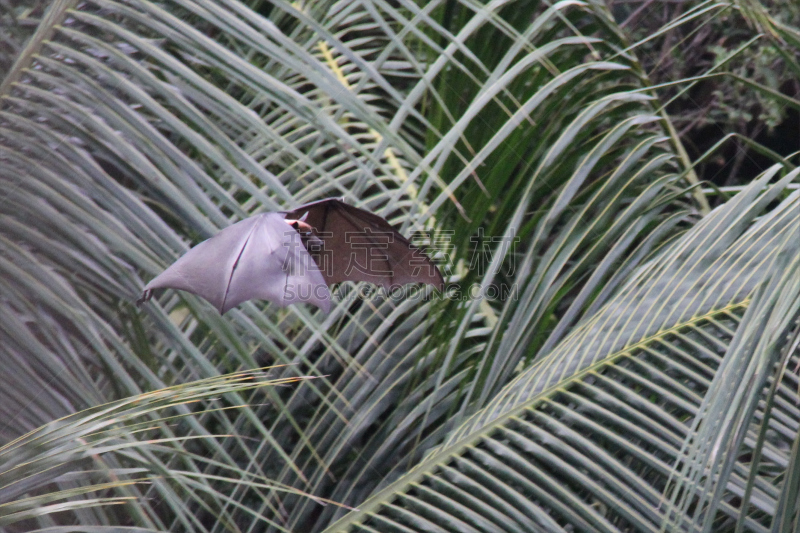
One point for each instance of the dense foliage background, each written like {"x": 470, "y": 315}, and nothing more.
{"x": 610, "y": 189}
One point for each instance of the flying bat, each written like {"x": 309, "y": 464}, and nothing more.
{"x": 293, "y": 256}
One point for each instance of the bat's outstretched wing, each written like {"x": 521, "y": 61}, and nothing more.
{"x": 361, "y": 246}
{"x": 260, "y": 257}
{"x": 264, "y": 257}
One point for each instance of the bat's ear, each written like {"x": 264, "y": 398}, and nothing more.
{"x": 304, "y": 217}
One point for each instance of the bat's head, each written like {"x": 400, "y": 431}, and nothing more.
{"x": 306, "y": 231}
{"x": 301, "y": 227}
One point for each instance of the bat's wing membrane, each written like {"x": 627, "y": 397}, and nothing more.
{"x": 260, "y": 257}
{"x": 360, "y": 246}
{"x": 265, "y": 257}
{"x": 275, "y": 266}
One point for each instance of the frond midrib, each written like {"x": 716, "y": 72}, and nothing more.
{"x": 51, "y": 20}
{"x": 472, "y": 439}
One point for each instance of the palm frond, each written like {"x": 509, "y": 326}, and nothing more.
{"x": 519, "y": 137}
{"x": 111, "y": 456}
{"x": 591, "y": 436}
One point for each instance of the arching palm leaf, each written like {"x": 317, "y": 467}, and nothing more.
{"x": 593, "y": 435}
{"x": 133, "y": 129}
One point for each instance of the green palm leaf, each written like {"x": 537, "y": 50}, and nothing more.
{"x": 131, "y": 130}
{"x": 593, "y": 435}
{"x": 116, "y": 450}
